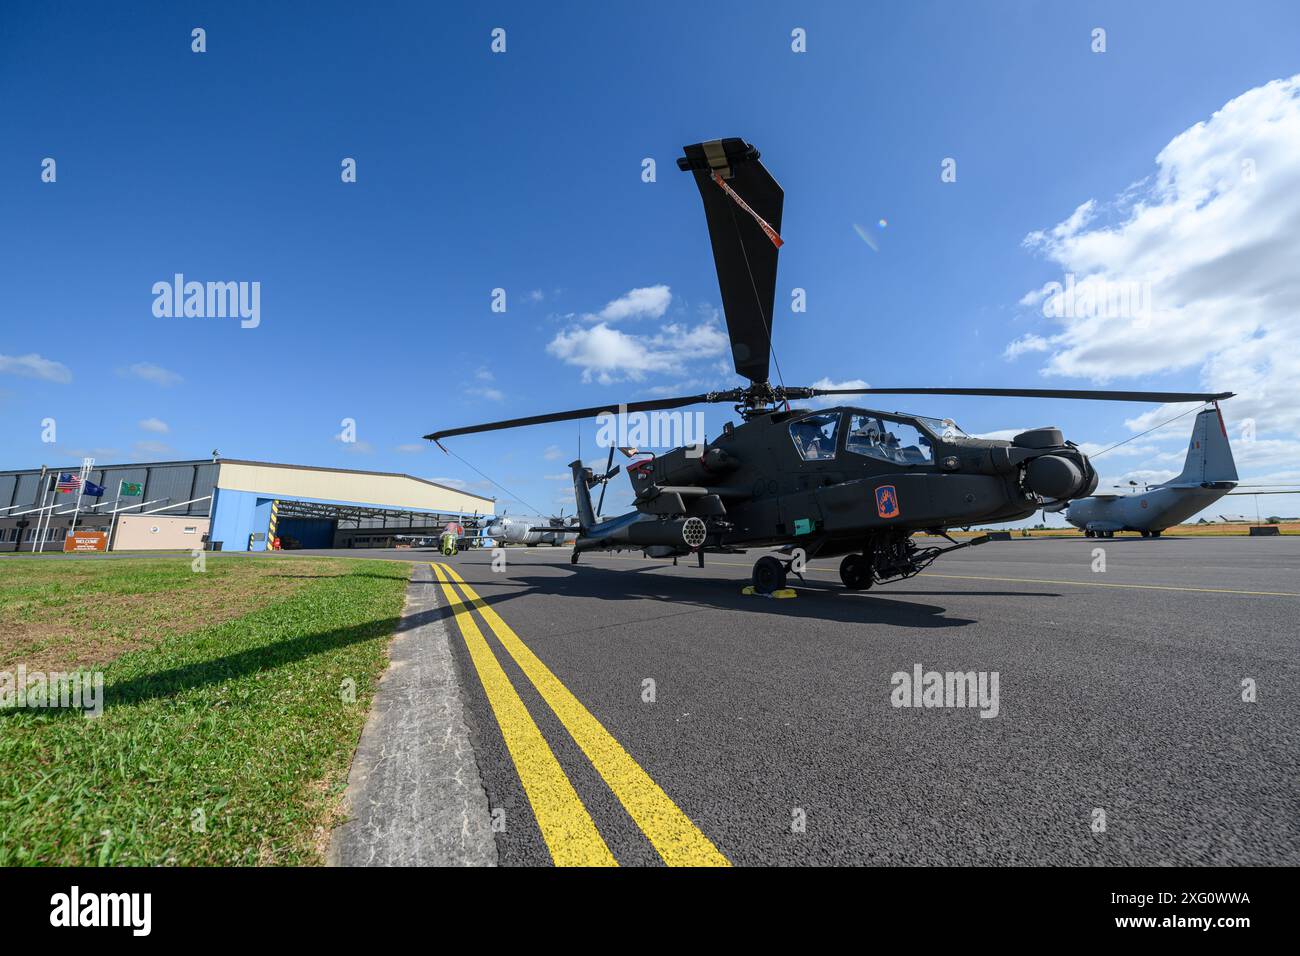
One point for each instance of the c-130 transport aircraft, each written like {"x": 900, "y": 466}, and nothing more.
{"x": 1208, "y": 474}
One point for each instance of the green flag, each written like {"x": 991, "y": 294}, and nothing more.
{"x": 130, "y": 489}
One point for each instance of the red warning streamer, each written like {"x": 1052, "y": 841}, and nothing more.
{"x": 771, "y": 233}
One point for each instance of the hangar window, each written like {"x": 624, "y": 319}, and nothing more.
{"x": 814, "y": 436}
{"x": 895, "y": 442}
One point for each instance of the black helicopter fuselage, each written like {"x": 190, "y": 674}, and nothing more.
{"x": 832, "y": 482}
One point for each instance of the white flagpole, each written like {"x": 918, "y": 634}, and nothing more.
{"x": 86, "y": 464}
{"x": 40, "y": 503}
{"x": 40, "y": 512}
{"x": 112, "y": 526}
{"x": 47, "y": 513}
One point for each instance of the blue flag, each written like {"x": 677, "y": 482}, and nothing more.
{"x": 93, "y": 490}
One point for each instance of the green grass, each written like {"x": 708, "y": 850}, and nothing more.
{"x": 220, "y": 744}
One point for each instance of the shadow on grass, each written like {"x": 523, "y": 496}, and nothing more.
{"x": 345, "y": 574}
{"x": 231, "y": 667}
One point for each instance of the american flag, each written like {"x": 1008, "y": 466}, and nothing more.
{"x": 68, "y": 482}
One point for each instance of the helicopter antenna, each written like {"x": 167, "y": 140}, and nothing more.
{"x": 493, "y": 481}
{"x": 1140, "y": 434}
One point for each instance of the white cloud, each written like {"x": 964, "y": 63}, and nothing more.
{"x": 1002, "y": 434}
{"x": 650, "y": 302}
{"x": 1026, "y": 343}
{"x": 100, "y": 455}
{"x": 458, "y": 483}
{"x": 825, "y": 401}
{"x": 154, "y": 449}
{"x": 410, "y": 448}
{"x": 151, "y": 373}
{"x": 552, "y": 453}
{"x": 35, "y": 366}
{"x": 491, "y": 394}
{"x": 1215, "y": 230}
{"x": 609, "y": 355}
{"x": 353, "y": 446}
{"x": 154, "y": 425}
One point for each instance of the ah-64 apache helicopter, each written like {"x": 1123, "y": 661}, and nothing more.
{"x": 838, "y": 481}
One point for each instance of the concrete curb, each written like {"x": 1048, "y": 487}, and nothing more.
{"x": 414, "y": 795}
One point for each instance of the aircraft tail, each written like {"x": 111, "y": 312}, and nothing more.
{"x": 582, "y": 494}
{"x": 1209, "y": 454}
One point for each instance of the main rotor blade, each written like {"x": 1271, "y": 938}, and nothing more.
{"x": 1072, "y": 393}
{"x": 594, "y": 410}
{"x": 742, "y": 206}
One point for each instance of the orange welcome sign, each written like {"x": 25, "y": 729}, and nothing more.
{"x": 86, "y": 541}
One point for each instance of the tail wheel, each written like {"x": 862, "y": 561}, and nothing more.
{"x": 769, "y": 575}
{"x": 855, "y": 572}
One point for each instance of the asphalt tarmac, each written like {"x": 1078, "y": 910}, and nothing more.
{"x": 766, "y": 731}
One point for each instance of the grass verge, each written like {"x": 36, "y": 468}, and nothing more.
{"x": 226, "y": 742}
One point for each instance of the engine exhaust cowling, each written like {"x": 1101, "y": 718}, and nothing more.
{"x": 1054, "y": 477}
{"x": 1049, "y": 437}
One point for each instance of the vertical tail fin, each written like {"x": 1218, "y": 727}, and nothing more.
{"x": 1209, "y": 454}
{"x": 582, "y": 494}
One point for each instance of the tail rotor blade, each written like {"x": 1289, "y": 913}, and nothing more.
{"x": 605, "y": 484}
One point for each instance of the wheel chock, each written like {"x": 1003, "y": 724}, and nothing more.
{"x": 748, "y": 590}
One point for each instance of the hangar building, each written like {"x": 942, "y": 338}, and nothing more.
{"x": 233, "y": 505}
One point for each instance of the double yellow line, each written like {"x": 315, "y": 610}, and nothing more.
{"x": 567, "y": 828}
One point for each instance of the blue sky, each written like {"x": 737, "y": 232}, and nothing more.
{"x": 522, "y": 171}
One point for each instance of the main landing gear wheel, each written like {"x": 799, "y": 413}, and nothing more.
{"x": 855, "y": 572}
{"x": 1155, "y": 534}
{"x": 769, "y": 575}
